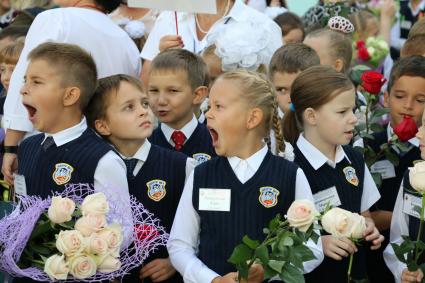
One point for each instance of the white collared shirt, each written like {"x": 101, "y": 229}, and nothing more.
{"x": 187, "y": 130}
{"x": 110, "y": 176}
{"x": 317, "y": 159}
{"x": 166, "y": 25}
{"x": 399, "y": 228}
{"x": 184, "y": 235}
{"x": 142, "y": 155}
{"x": 112, "y": 49}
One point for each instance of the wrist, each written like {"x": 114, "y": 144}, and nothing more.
{"x": 10, "y": 149}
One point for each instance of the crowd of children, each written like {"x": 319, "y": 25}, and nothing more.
{"x": 228, "y": 121}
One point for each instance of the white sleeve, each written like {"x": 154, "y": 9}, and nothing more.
{"x": 110, "y": 177}
{"x": 45, "y": 27}
{"x": 396, "y": 41}
{"x": 190, "y": 166}
{"x": 399, "y": 227}
{"x": 184, "y": 240}
{"x": 370, "y": 192}
{"x": 164, "y": 25}
{"x": 303, "y": 191}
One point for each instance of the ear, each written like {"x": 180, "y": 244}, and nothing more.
{"x": 102, "y": 127}
{"x": 255, "y": 118}
{"x": 386, "y": 99}
{"x": 200, "y": 93}
{"x": 338, "y": 65}
{"x": 310, "y": 116}
{"x": 72, "y": 96}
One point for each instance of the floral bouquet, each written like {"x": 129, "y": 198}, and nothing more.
{"x": 76, "y": 235}
{"x": 371, "y": 52}
{"x": 283, "y": 250}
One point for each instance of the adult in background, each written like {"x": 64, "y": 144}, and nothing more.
{"x": 194, "y": 28}
{"x": 81, "y": 22}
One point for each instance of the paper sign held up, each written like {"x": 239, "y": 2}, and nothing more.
{"x": 193, "y": 6}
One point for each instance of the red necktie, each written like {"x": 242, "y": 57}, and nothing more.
{"x": 178, "y": 138}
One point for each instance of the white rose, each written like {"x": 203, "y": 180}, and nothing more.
{"x": 82, "y": 266}
{"x": 371, "y": 51}
{"x": 96, "y": 245}
{"x": 95, "y": 204}
{"x": 61, "y": 210}
{"x": 301, "y": 214}
{"x": 109, "y": 264}
{"x": 91, "y": 223}
{"x": 70, "y": 242}
{"x": 358, "y": 226}
{"x": 417, "y": 177}
{"x": 56, "y": 267}
{"x": 342, "y": 223}
{"x": 113, "y": 236}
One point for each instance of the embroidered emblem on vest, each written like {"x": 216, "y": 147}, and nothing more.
{"x": 268, "y": 196}
{"x": 62, "y": 173}
{"x": 201, "y": 157}
{"x": 156, "y": 189}
{"x": 350, "y": 175}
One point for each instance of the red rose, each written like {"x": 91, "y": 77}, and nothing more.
{"x": 363, "y": 54}
{"x": 406, "y": 130}
{"x": 145, "y": 232}
{"x": 372, "y": 82}
{"x": 360, "y": 44}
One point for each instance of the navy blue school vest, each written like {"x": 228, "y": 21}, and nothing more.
{"x": 159, "y": 185}
{"x": 198, "y": 145}
{"x": 50, "y": 170}
{"x": 350, "y": 196}
{"x": 407, "y": 19}
{"x": 270, "y": 191}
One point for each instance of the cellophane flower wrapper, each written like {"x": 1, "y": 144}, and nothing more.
{"x": 16, "y": 229}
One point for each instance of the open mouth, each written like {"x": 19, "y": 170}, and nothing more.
{"x": 31, "y": 110}
{"x": 214, "y": 135}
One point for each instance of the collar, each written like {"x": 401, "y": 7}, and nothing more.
{"x": 315, "y": 157}
{"x": 254, "y": 161}
{"x": 201, "y": 118}
{"x": 143, "y": 152}
{"x": 419, "y": 8}
{"x": 69, "y": 134}
{"x": 187, "y": 129}
{"x": 413, "y": 141}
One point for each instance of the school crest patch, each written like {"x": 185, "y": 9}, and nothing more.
{"x": 268, "y": 196}
{"x": 156, "y": 189}
{"x": 201, "y": 157}
{"x": 350, "y": 175}
{"x": 62, "y": 173}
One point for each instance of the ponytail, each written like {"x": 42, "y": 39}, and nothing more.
{"x": 291, "y": 132}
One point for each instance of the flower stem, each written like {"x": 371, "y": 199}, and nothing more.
{"x": 349, "y": 268}
{"x": 421, "y": 224}
{"x": 367, "y": 114}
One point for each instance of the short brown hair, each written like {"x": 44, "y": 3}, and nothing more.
{"x": 11, "y": 52}
{"x": 289, "y": 21}
{"x": 99, "y": 103}
{"x": 75, "y": 66}
{"x": 417, "y": 29}
{"x": 293, "y": 58}
{"x": 182, "y": 60}
{"x": 313, "y": 88}
{"x": 411, "y": 66}
{"x": 414, "y": 45}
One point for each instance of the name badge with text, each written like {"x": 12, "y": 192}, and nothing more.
{"x": 326, "y": 197}
{"x": 383, "y": 167}
{"x": 409, "y": 204}
{"x": 20, "y": 185}
{"x": 214, "y": 199}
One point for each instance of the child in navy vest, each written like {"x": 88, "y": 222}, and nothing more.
{"x": 404, "y": 97}
{"x": 178, "y": 83}
{"x": 239, "y": 191}
{"x": 60, "y": 80}
{"x": 119, "y": 111}
{"x": 405, "y": 222}
{"x": 323, "y": 101}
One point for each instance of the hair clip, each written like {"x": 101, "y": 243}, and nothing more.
{"x": 341, "y": 24}
{"x": 292, "y": 107}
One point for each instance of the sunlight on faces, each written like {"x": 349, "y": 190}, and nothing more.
{"x": 227, "y": 118}
{"x": 6, "y": 71}
{"x": 43, "y": 96}
{"x": 321, "y": 45}
{"x": 282, "y": 83}
{"x": 128, "y": 115}
{"x": 407, "y": 98}
{"x": 171, "y": 97}
{"x": 421, "y": 136}
{"x": 334, "y": 122}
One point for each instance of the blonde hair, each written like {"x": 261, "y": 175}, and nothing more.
{"x": 11, "y": 52}
{"x": 259, "y": 92}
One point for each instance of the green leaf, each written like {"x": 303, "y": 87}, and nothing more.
{"x": 378, "y": 113}
{"x": 252, "y": 244}
{"x": 375, "y": 127}
{"x": 42, "y": 250}
{"x": 291, "y": 274}
{"x": 276, "y": 265}
{"x": 269, "y": 272}
{"x": 377, "y": 178}
{"x": 417, "y": 208}
{"x": 241, "y": 254}
{"x": 285, "y": 241}
{"x": 393, "y": 158}
{"x": 262, "y": 253}
{"x": 303, "y": 252}
{"x": 41, "y": 229}
{"x": 274, "y": 223}
{"x": 367, "y": 136}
